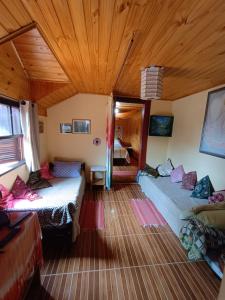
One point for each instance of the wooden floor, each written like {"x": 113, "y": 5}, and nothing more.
{"x": 124, "y": 261}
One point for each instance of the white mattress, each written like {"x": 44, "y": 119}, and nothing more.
{"x": 170, "y": 199}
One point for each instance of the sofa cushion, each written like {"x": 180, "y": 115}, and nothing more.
{"x": 45, "y": 171}
{"x": 189, "y": 180}
{"x": 35, "y": 181}
{"x": 203, "y": 188}
{"x": 21, "y": 191}
{"x": 66, "y": 169}
{"x": 212, "y": 218}
{"x": 177, "y": 174}
{"x": 165, "y": 169}
{"x": 149, "y": 171}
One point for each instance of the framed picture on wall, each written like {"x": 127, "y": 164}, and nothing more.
{"x": 65, "y": 128}
{"x": 213, "y": 132}
{"x": 82, "y": 126}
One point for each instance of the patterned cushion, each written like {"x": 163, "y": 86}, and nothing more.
{"x": 189, "y": 180}
{"x": 149, "y": 171}
{"x": 5, "y": 196}
{"x": 21, "y": 191}
{"x": 216, "y": 197}
{"x": 66, "y": 169}
{"x": 177, "y": 174}
{"x": 45, "y": 172}
{"x": 35, "y": 181}
{"x": 203, "y": 188}
{"x": 165, "y": 169}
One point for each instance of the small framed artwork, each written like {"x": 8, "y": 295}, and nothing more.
{"x": 65, "y": 128}
{"x": 82, "y": 126}
{"x": 213, "y": 133}
{"x": 41, "y": 127}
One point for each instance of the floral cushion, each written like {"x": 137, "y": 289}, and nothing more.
{"x": 165, "y": 169}
{"x": 177, "y": 174}
{"x": 35, "y": 181}
{"x": 189, "y": 180}
{"x": 45, "y": 171}
{"x": 203, "y": 188}
{"x": 21, "y": 191}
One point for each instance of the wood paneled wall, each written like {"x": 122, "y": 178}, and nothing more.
{"x": 13, "y": 80}
{"x": 132, "y": 131}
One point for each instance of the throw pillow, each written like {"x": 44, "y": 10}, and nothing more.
{"x": 21, "y": 191}
{"x": 165, "y": 169}
{"x": 149, "y": 171}
{"x": 216, "y": 197}
{"x": 189, "y": 180}
{"x": 35, "y": 181}
{"x": 66, "y": 169}
{"x": 45, "y": 171}
{"x": 177, "y": 174}
{"x": 5, "y": 196}
{"x": 213, "y": 218}
{"x": 203, "y": 188}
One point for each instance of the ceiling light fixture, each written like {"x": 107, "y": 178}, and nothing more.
{"x": 151, "y": 83}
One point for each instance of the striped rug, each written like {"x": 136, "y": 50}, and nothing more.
{"x": 146, "y": 213}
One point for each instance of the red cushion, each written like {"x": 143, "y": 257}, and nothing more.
{"x": 21, "y": 191}
{"x": 189, "y": 180}
{"x": 45, "y": 172}
{"x": 6, "y": 196}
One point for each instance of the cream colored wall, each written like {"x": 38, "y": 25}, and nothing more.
{"x": 79, "y": 146}
{"x": 157, "y": 146}
{"x": 183, "y": 147}
{"x": 8, "y": 179}
{"x": 43, "y": 141}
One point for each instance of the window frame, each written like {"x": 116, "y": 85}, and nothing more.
{"x": 11, "y": 164}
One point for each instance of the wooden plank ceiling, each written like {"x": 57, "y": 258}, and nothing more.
{"x": 38, "y": 60}
{"x": 102, "y": 44}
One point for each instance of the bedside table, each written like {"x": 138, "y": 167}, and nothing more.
{"x": 98, "y": 176}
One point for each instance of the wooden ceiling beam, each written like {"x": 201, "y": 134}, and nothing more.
{"x": 16, "y": 33}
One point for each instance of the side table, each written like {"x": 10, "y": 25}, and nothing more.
{"x": 98, "y": 176}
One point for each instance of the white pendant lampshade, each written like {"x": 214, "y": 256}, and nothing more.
{"x": 151, "y": 83}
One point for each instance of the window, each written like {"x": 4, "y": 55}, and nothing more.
{"x": 11, "y": 149}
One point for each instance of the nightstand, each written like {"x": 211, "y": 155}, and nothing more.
{"x": 98, "y": 176}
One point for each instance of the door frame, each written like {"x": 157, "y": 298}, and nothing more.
{"x": 144, "y": 126}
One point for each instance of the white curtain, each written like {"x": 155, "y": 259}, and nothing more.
{"x": 29, "y": 124}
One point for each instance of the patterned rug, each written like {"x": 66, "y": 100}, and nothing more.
{"x": 92, "y": 215}
{"x": 146, "y": 213}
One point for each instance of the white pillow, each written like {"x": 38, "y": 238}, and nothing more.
{"x": 166, "y": 168}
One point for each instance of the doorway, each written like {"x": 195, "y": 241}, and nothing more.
{"x": 130, "y": 131}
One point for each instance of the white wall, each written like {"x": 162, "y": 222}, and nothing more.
{"x": 183, "y": 147}
{"x": 79, "y": 146}
{"x": 157, "y": 146}
{"x": 8, "y": 179}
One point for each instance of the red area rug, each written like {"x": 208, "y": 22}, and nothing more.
{"x": 146, "y": 213}
{"x": 92, "y": 215}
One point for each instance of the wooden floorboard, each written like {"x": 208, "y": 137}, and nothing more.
{"x": 124, "y": 261}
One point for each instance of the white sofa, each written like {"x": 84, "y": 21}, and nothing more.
{"x": 169, "y": 198}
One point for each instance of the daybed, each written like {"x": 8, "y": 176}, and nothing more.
{"x": 170, "y": 199}
{"x": 59, "y": 206}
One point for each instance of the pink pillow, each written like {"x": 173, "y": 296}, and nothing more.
{"x": 216, "y": 197}
{"x": 6, "y": 196}
{"x": 189, "y": 180}
{"x": 177, "y": 174}
{"x": 21, "y": 191}
{"x": 45, "y": 172}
